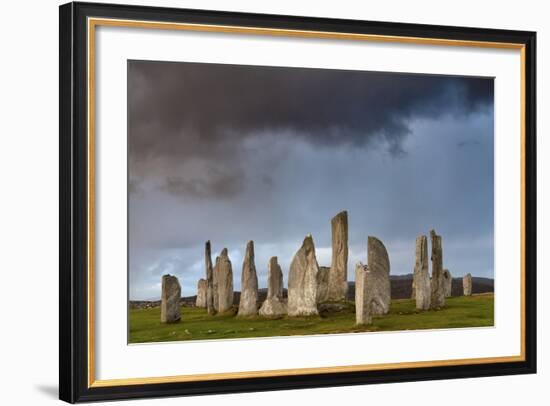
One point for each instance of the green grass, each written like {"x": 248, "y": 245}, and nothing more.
{"x": 196, "y": 324}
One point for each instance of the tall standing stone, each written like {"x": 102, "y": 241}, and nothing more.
{"x": 170, "y": 300}
{"x": 302, "y": 281}
{"x": 275, "y": 279}
{"x": 421, "y": 278}
{"x": 338, "y": 276}
{"x": 210, "y": 293}
{"x": 248, "y": 305}
{"x": 467, "y": 284}
{"x": 201, "y": 293}
{"x": 363, "y": 295}
{"x": 438, "y": 282}
{"x": 223, "y": 283}
{"x": 379, "y": 278}
{"x": 273, "y": 305}
{"x": 448, "y": 279}
{"x": 322, "y": 284}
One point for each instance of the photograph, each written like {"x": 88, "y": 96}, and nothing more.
{"x": 274, "y": 201}
{"x": 256, "y": 201}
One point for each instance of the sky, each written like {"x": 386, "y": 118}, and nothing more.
{"x": 232, "y": 153}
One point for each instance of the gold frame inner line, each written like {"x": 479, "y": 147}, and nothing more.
{"x": 95, "y": 22}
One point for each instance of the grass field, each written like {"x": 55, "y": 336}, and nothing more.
{"x": 196, "y": 324}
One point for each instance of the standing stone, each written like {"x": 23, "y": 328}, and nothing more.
{"x": 338, "y": 276}
{"x": 363, "y": 295}
{"x": 379, "y": 276}
{"x": 223, "y": 283}
{"x": 467, "y": 284}
{"x": 273, "y": 305}
{"x": 201, "y": 293}
{"x": 275, "y": 279}
{"x": 448, "y": 282}
{"x": 413, "y": 288}
{"x": 421, "y": 277}
{"x": 170, "y": 300}
{"x": 210, "y": 294}
{"x": 322, "y": 284}
{"x": 438, "y": 282}
{"x": 248, "y": 305}
{"x": 302, "y": 281}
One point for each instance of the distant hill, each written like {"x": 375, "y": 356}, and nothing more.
{"x": 401, "y": 288}
{"x": 190, "y": 300}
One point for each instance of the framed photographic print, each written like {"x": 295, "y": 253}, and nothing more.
{"x": 258, "y": 202}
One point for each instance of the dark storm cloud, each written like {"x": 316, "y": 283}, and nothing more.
{"x": 216, "y": 183}
{"x": 232, "y": 154}
{"x": 183, "y": 111}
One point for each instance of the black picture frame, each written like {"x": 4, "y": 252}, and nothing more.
{"x": 74, "y": 385}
